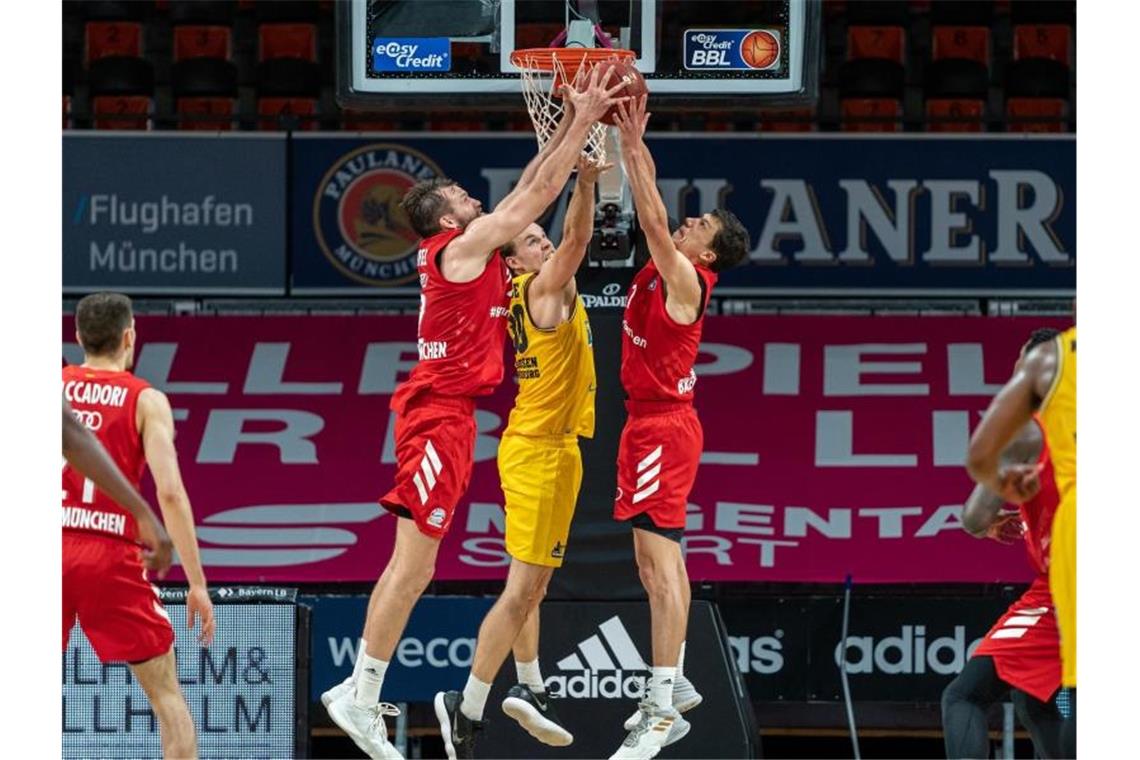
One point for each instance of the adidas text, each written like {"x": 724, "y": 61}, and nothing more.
{"x": 590, "y": 684}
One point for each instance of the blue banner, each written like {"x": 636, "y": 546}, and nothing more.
{"x": 434, "y": 654}
{"x": 828, "y": 215}
{"x": 165, "y": 214}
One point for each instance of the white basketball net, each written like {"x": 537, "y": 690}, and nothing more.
{"x": 546, "y": 110}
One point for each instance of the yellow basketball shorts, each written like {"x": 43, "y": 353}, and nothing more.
{"x": 540, "y": 477}
{"x": 1063, "y": 584}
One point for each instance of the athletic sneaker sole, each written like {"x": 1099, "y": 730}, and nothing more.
{"x": 689, "y": 704}
{"x": 682, "y": 731}
{"x": 332, "y": 694}
{"x": 444, "y": 724}
{"x": 546, "y": 731}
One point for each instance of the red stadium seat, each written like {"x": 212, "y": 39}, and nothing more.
{"x": 196, "y": 41}
{"x": 121, "y": 111}
{"x": 787, "y": 120}
{"x": 871, "y": 114}
{"x": 287, "y": 41}
{"x": 887, "y": 42}
{"x": 1051, "y": 41}
{"x": 1021, "y": 111}
{"x": 955, "y": 115}
{"x": 971, "y": 43}
{"x": 286, "y": 106}
{"x": 106, "y": 39}
{"x": 198, "y": 111}
{"x": 367, "y": 121}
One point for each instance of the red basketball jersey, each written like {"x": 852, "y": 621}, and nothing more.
{"x": 657, "y": 353}
{"x": 1037, "y": 513}
{"x": 106, "y": 402}
{"x": 461, "y": 330}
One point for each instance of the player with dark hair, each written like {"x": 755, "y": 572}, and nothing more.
{"x": 1021, "y": 652}
{"x": 465, "y": 293}
{"x": 83, "y": 452}
{"x": 104, "y": 581}
{"x": 1045, "y": 383}
{"x": 540, "y": 468}
{"x": 661, "y": 444}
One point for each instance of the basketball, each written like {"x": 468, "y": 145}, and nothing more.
{"x": 634, "y": 88}
{"x": 760, "y": 49}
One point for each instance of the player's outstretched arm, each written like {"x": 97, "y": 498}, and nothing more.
{"x": 556, "y": 139}
{"x": 558, "y": 273}
{"x": 488, "y": 232}
{"x": 1011, "y": 409}
{"x": 678, "y": 272}
{"x": 83, "y": 451}
{"x": 982, "y": 512}
{"x": 156, "y": 424}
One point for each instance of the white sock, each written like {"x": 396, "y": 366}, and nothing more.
{"x": 474, "y": 698}
{"x": 369, "y": 681}
{"x": 681, "y": 662}
{"x": 359, "y": 663}
{"x": 530, "y": 675}
{"x": 661, "y": 687}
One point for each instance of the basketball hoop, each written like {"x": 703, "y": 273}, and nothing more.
{"x": 544, "y": 71}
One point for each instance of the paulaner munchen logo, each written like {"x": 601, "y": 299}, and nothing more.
{"x": 359, "y": 224}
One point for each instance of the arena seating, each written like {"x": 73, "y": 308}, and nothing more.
{"x": 889, "y": 66}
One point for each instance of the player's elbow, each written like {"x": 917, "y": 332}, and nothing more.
{"x": 977, "y": 461}
{"x": 172, "y": 497}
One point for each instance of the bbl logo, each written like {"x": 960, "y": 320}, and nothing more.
{"x": 360, "y": 226}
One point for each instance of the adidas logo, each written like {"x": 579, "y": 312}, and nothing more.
{"x": 607, "y": 666}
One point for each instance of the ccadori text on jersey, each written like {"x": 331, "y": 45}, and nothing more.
{"x": 80, "y": 392}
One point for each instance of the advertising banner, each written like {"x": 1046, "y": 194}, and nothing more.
{"x": 241, "y": 689}
{"x": 833, "y": 446}
{"x": 434, "y": 654}
{"x": 167, "y": 214}
{"x": 899, "y": 648}
{"x": 828, "y": 214}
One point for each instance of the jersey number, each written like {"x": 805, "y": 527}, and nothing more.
{"x": 517, "y": 323}
{"x": 88, "y": 488}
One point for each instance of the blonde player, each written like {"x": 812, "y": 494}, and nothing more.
{"x": 1046, "y": 383}
{"x": 540, "y": 468}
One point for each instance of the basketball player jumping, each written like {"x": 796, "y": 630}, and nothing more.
{"x": 463, "y": 312}
{"x": 84, "y": 453}
{"x": 540, "y": 468}
{"x": 661, "y": 444}
{"x": 104, "y": 582}
{"x": 1022, "y": 651}
{"x": 1045, "y": 383}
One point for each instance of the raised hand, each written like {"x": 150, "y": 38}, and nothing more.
{"x": 592, "y": 103}
{"x": 631, "y": 119}
{"x": 589, "y": 169}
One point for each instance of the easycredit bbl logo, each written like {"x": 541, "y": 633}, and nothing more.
{"x": 605, "y": 665}
{"x": 359, "y": 224}
{"x": 732, "y": 49}
{"x": 411, "y": 54}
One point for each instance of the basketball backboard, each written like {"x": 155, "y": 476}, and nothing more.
{"x": 396, "y": 52}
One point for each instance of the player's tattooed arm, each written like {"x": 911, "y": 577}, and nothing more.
{"x": 1011, "y": 409}
{"x": 983, "y": 511}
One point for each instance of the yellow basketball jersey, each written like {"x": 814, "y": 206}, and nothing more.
{"x": 555, "y": 370}
{"x": 1059, "y": 415}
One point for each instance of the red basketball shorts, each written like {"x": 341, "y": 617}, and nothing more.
{"x": 105, "y": 587}
{"x": 435, "y": 450}
{"x": 658, "y": 456}
{"x": 1025, "y": 644}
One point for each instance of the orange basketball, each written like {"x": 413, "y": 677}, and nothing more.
{"x": 635, "y": 83}
{"x": 760, "y": 49}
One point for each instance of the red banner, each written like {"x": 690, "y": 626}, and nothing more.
{"x": 834, "y": 445}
